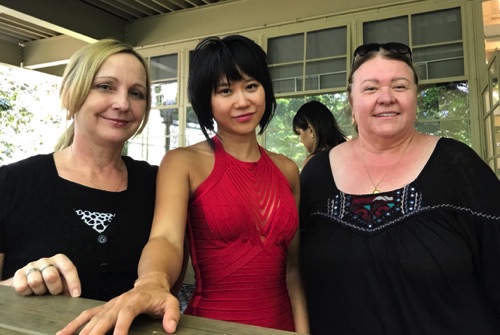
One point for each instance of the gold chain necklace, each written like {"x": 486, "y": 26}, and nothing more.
{"x": 90, "y": 180}
{"x": 375, "y": 186}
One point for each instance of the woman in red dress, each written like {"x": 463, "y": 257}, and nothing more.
{"x": 236, "y": 201}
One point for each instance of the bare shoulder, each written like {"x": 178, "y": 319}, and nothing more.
{"x": 343, "y": 151}
{"x": 427, "y": 140}
{"x": 424, "y": 146}
{"x": 184, "y": 156}
{"x": 285, "y": 164}
{"x": 192, "y": 164}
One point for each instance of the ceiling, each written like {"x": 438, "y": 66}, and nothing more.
{"x": 25, "y": 24}
{"x": 42, "y": 34}
{"x": 14, "y": 28}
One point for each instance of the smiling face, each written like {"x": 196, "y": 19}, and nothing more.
{"x": 383, "y": 97}
{"x": 238, "y": 107}
{"x": 116, "y": 103}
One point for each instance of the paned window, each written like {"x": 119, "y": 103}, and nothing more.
{"x": 435, "y": 38}
{"x": 314, "y": 60}
{"x": 491, "y": 115}
{"x": 162, "y": 131}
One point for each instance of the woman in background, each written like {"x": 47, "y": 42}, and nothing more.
{"x": 317, "y": 128}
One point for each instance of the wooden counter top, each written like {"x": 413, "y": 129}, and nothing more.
{"x": 37, "y": 315}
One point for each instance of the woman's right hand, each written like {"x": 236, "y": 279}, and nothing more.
{"x": 54, "y": 275}
{"x": 119, "y": 312}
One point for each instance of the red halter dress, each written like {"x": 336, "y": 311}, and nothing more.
{"x": 241, "y": 221}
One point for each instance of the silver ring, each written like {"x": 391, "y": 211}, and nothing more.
{"x": 46, "y": 266}
{"x": 31, "y": 270}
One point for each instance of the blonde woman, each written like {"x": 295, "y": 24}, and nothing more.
{"x": 75, "y": 221}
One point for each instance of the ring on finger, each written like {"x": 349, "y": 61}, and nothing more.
{"x": 31, "y": 270}
{"x": 46, "y": 266}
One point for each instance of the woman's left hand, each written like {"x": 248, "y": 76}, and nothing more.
{"x": 54, "y": 275}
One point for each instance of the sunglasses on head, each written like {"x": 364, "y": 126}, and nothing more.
{"x": 393, "y": 47}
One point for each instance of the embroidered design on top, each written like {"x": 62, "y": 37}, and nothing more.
{"x": 98, "y": 221}
{"x": 373, "y": 212}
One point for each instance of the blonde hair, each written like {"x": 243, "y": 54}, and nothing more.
{"x": 79, "y": 75}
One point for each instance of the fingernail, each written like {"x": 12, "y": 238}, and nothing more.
{"x": 75, "y": 293}
{"x": 172, "y": 325}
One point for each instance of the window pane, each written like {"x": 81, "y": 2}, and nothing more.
{"x": 497, "y": 131}
{"x": 338, "y": 104}
{"x": 444, "y": 101}
{"x": 286, "y": 49}
{"x": 193, "y": 130}
{"x": 326, "y": 74}
{"x": 160, "y": 135}
{"x": 494, "y": 82}
{"x": 285, "y": 78}
{"x": 486, "y": 101}
{"x": 324, "y": 65}
{"x": 390, "y": 30}
{"x": 445, "y": 68}
{"x": 164, "y": 93}
{"x": 489, "y": 139}
{"x": 436, "y": 27}
{"x": 458, "y": 129}
{"x": 327, "y": 43}
{"x": 163, "y": 67}
{"x": 440, "y": 61}
{"x": 325, "y": 81}
{"x": 443, "y": 110}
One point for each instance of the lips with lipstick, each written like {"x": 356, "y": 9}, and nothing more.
{"x": 244, "y": 117}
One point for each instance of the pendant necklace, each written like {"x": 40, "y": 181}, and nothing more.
{"x": 375, "y": 186}
{"x": 90, "y": 180}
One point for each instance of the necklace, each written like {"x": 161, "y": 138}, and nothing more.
{"x": 90, "y": 180}
{"x": 375, "y": 186}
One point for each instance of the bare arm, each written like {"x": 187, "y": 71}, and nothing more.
{"x": 294, "y": 280}
{"x": 161, "y": 261}
{"x": 293, "y": 277}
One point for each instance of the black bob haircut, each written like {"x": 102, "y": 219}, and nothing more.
{"x": 230, "y": 57}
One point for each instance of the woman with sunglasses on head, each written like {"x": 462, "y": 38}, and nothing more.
{"x": 401, "y": 230}
{"x": 75, "y": 221}
{"x": 317, "y": 128}
{"x": 236, "y": 200}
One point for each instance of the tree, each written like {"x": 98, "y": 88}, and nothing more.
{"x": 23, "y": 113}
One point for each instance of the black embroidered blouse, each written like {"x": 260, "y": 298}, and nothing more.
{"x": 423, "y": 259}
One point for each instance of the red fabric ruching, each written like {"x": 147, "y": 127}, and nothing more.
{"x": 242, "y": 219}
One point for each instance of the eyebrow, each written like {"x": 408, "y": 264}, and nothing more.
{"x": 392, "y": 80}
{"x": 244, "y": 79}
{"x": 105, "y": 77}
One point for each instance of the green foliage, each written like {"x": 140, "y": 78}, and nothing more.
{"x": 18, "y": 118}
{"x": 443, "y": 110}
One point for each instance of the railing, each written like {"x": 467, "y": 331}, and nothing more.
{"x": 39, "y": 315}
